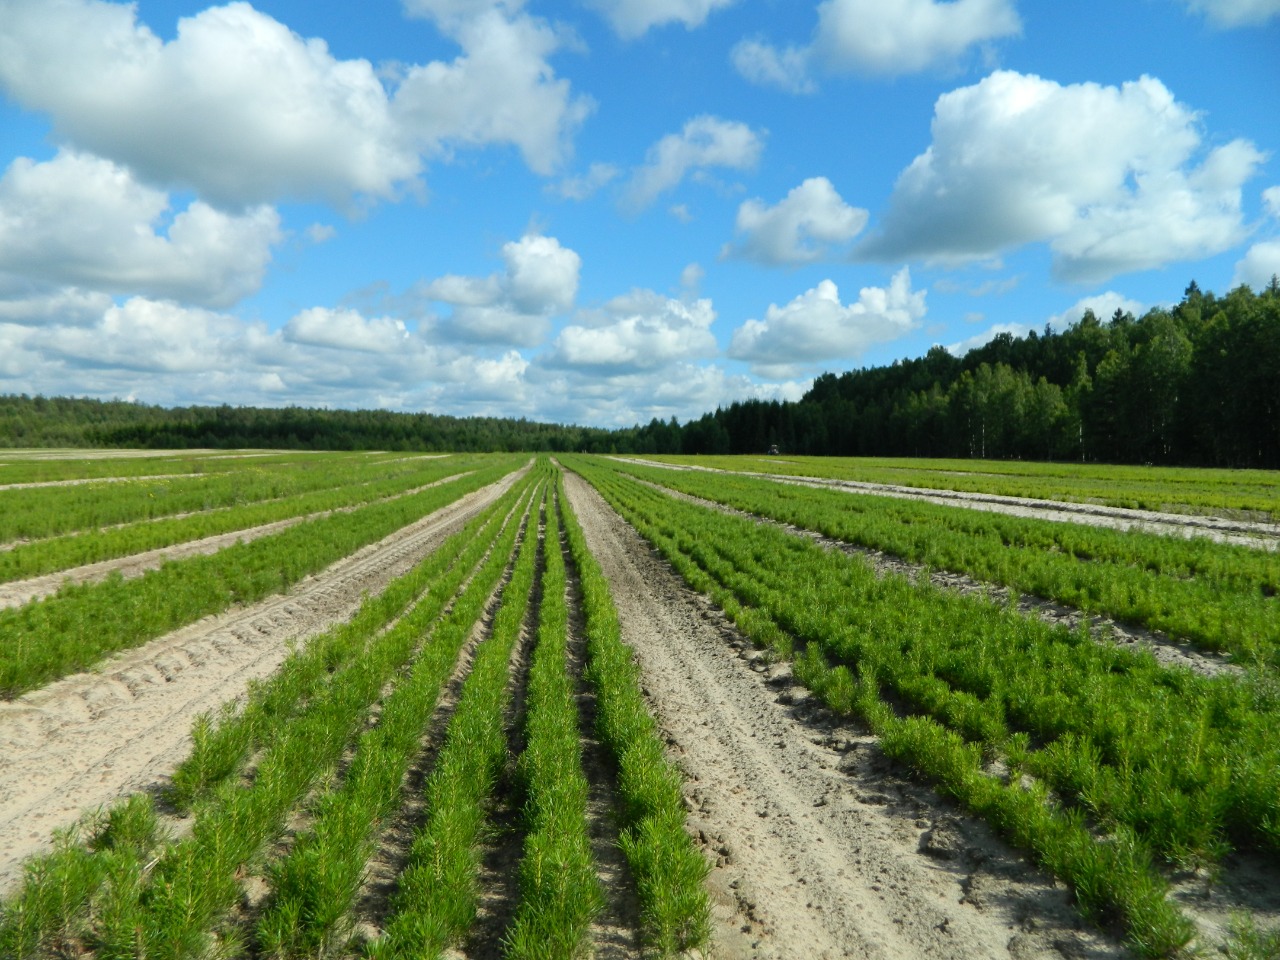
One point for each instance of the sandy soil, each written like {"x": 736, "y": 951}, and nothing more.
{"x": 1265, "y": 536}
{"x": 82, "y": 481}
{"x": 17, "y": 592}
{"x": 821, "y": 847}
{"x": 93, "y": 737}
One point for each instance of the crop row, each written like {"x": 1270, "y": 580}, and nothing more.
{"x": 1175, "y": 489}
{"x": 35, "y": 467}
{"x": 33, "y": 513}
{"x": 81, "y": 624}
{"x": 325, "y": 744}
{"x": 51, "y": 554}
{"x": 1126, "y": 764}
{"x": 112, "y": 905}
{"x": 1219, "y": 596}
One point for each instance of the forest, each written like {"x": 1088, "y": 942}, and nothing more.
{"x": 1197, "y": 383}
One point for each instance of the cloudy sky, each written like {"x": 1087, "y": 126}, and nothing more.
{"x": 600, "y": 211}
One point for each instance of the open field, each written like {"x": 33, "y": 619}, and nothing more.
{"x": 482, "y": 707}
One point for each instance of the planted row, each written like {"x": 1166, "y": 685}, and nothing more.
{"x": 91, "y": 546}
{"x": 122, "y": 909}
{"x": 48, "y": 511}
{"x": 1161, "y": 761}
{"x": 559, "y": 890}
{"x": 1221, "y": 597}
{"x": 668, "y": 869}
{"x": 316, "y": 885}
{"x": 81, "y": 624}
{"x": 1193, "y": 490}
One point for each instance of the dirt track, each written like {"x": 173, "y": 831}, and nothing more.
{"x": 821, "y": 848}
{"x": 93, "y": 737}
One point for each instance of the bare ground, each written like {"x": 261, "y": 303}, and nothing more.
{"x": 1264, "y": 536}
{"x": 17, "y": 592}
{"x": 88, "y": 739}
{"x": 821, "y": 847}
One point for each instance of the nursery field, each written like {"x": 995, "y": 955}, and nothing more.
{"x": 378, "y": 705}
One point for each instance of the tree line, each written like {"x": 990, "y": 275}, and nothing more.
{"x": 1197, "y": 383}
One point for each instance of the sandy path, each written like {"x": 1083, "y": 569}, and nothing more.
{"x": 88, "y": 739}
{"x": 17, "y": 592}
{"x": 821, "y": 848}
{"x": 83, "y": 481}
{"x": 1265, "y": 536}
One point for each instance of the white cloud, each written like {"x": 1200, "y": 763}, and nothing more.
{"x": 244, "y": 110}
{"x": 78, "y": 220}
{"x": 817, "y": 327}
{"x": 515, "y": 307}
{"x": 588, "y": 184}
{"x": 1103, "y": 305}
{"x": 321, "y": 232}
{"x": 1259, "y": 265}
{"x": 500, "y": 90}
{"x": 633, "y": 18}
{"x": 236, "y": 105}
{"x": 982, "y": 339}
{"x": 800, "y": 228}
{"x": 346, "y": 330}
{"x": 639, "y": 331}
{"x": 1225, "y": 14}
{"x": 765, "y": 65}
{"x": 1106, "y": 175}
{"x": 907, "y": 36}
{"x": 878, "y": 38}
{"x": 1271, "y": 200}
{"x": 705, "y": 141}
{"x": 68, "y": 305}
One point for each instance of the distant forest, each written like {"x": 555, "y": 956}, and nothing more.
{"x": 1197, "y": 384}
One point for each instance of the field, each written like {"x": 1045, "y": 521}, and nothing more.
{"x": 377, "y": 705}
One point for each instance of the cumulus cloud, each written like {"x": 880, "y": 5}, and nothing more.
{"x": 322, "y": 357}
{"x": 1262, "y": 261}
{"x": 816, "y": 327}
{"x": 639, "y": 331}
{"x": 1259, "y": 265}
{"x": 705, "y": 141}
{"x": 500, "y": 90}
{"x": 244, "y": 110}
{"x": 1107, "y": 175}
{"x": 346, "y": 330}
{"x": 765, "y": 65}
{"x": 873, "y": 37}
{"x": 1103, "y": 305}
{"x": 800, "y": 228}
{"x": 909, "y": 35}
{"x": 633, "y": 18}
{"x": 67, "y": 305}
{"x": 540, "y": 280}
{"x": 1226, "y": 14}
{"x": 78, "y": 220}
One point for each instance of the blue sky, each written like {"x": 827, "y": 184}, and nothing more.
{"x": 601, "y": 211}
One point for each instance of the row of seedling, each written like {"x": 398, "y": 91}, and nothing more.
{"x": 51, "y": 554}
{"x": 81, "y": 624}
{"x": 1145, "y": 764}
{"x": 1219, "y": 596}
{"x": 119, "y": 905}
{"x": 1191, "y": 490}
{"x": 36, "y": 512}
{"x": 667, "y": 867}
